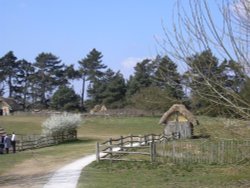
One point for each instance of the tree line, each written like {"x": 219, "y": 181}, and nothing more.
{"x": 155, "y": 85}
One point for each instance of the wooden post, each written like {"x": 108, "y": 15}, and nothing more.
{"x": 173, "y": 151}
{"x": 131, "y": 140}
{"x": 97, "y": 152}
{"x": 121, "y": 143}
{"x": 145, "y": 140}
{"x": 140, "y": 140}
{"x": 110, "y": 147}
{"x": 152, "y": 151}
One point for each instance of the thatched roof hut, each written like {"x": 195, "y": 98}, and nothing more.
{"x": 179, "y": 121}
{"x": 8, "y": 105}
{"x": 98, "y": 109}
{"x": 182, "y": 110}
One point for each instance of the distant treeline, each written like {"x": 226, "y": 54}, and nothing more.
{"x": 155, "y": 85}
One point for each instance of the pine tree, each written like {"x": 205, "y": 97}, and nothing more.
{"x": 50, "y": 73}
{"x": 23, "y": 82}
{"x": 65, "y": 98}
{"x": 114, "y": 93}
{"x": 167, "y": 77}
{"x": 142, "y": 77}
{"x": 8, "y": 67}
{"x": 91, "y": 70}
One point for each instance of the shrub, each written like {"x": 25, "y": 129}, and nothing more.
{"x": 58, "y": 124}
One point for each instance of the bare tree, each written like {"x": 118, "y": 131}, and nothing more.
{"x": 225, "y": 30}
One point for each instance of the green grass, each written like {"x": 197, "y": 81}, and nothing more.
{"x": 91, "y": 130}
{"x": 124, "y": 174}
{"x": 145, "y": 174}
{"x": 22, "y": 124}
{"x": 104, "y": 128}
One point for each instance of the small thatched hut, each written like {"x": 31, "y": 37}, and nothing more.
{"x": 178, "y": 122}
{"x": 98, "y": 109}
{"x": 8, "y": 105}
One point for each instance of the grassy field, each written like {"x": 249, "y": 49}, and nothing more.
{"x": 91, "y": 130}
{"x": 146, "y": 175}
{"x": 126, "y": 174}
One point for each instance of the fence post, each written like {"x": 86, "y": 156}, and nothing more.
{"x": 173, "y": 151}
{"x": 110, "y": 147}
{"x": 97, "y": 152}
{"x": 121, "y": 144}
{"x": 131, "y": 140}
{"x": 140, "y": 140}
{"x": 152, "y": 151}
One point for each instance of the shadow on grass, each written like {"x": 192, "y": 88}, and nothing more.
{"x": 79, "y": 141}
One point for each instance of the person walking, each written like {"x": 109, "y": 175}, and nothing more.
{"x": 7, "y": 143}
{"x": 13, "y": 142}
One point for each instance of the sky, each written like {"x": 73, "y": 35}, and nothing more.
{"x": 124, "y": 31}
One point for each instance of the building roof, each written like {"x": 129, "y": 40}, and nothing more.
{"x": 182, "y": 110}
{"x": 11, "y": 103}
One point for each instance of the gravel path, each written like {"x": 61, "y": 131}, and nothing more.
{"x": 67, "y": 176}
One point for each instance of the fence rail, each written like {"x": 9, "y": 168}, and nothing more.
{"x": 204, "y": 151}
{"x": 25, "y": 142}
{"x": 163, "y": 148}
{"x": 114, "y": 149}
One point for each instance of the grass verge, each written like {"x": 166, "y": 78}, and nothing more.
{"x": 145, "y": 174}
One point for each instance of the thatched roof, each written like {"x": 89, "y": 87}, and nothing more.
{"x": 11, "y": 103}
{"x": 182, "y": 110}
{"x": 103, "y": 108}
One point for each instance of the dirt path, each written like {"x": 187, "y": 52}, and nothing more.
{"x": 67, "y": 176}
{"x": 32, "y": 173}
{"x": 38, "y": 173}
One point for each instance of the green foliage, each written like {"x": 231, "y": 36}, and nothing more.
{"x": 214, "y": 86}
{"x": 50, "y": 73}
{"x": 90, "y": 70}
{"x": 65, "y": 98}
{"x": 24, "y": 82}
{"x": 156, "y": 85}
{"x": 141, "y": 78}
{"x": 109, "y": 90}
{"x": 167, "y": 77}
{"x": 8, "y": 66}
{"x": 153, "y": 99}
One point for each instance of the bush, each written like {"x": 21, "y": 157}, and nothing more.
{"x": 58, "y": 124}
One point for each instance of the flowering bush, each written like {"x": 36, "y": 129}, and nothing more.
{"x": 58, "y": 124}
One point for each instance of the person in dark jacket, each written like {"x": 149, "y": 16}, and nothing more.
{"x": 1, "y": 144}
{"x": 7, "y": 143}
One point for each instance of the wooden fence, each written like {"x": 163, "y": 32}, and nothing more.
{"x": 116, "y": 149}
{"x": 206, "y": 151}
{"x": 25, "y": 142}
{"x": 161, "y": 148}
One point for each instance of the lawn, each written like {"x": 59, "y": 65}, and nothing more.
{"x": 124, "y": 174}
{"x": 147, "y": 175}
{"x": 91, "y": 130}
